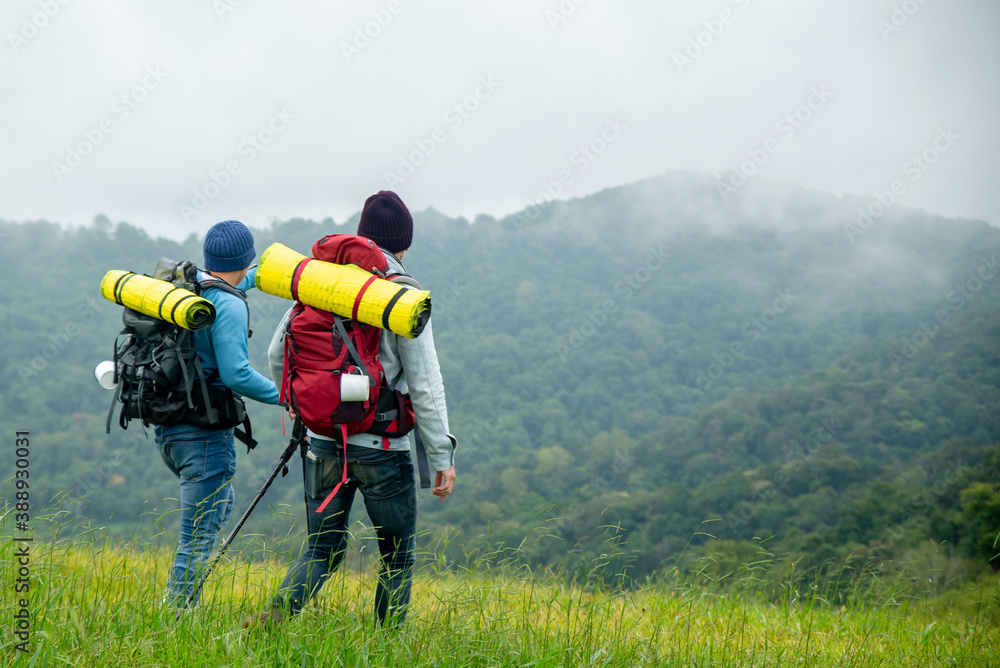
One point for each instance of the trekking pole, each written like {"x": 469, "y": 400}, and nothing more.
{"x": 296, "y": 441}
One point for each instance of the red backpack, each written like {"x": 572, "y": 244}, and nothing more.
{"x": 320, "y": 347}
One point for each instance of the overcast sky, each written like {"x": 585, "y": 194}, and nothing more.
{"x": 174, "y": 115}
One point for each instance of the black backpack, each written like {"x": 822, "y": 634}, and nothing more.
{"x": 157, "y": 368}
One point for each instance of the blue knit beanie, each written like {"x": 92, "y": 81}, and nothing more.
{"x": 228, "y": 247}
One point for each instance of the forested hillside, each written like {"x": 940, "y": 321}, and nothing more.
{"x": 620, "y": 369}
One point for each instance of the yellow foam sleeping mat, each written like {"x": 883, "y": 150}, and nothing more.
{"x": 336, "y": 288}
{"x": 158, "y": 299}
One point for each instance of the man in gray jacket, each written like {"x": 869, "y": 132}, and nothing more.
{"x": 384, "y": 475}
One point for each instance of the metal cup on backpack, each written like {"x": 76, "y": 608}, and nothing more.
{"x": 105, "y": 374}
{"x": 354, "y": 386}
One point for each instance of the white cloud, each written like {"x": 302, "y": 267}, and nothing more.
{"x": 559, "y": 86}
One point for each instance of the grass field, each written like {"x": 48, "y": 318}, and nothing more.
{"x": 95, "y": 605}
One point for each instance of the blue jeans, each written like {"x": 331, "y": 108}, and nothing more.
{"x": 385, "y": 479}
{"x": 205, "y": 462}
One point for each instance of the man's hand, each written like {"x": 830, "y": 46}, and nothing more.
{"x": 444, "y": 483}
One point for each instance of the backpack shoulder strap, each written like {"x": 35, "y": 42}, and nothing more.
{"x": 221, "y": 285}
{"x": 342, "y": 331}
{"x": 225, "y": 287}
{"x": 118, "y": 384}
{"x": 405, "y": 279}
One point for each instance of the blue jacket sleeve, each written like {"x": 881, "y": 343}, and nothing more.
{"x": 250, "y": 281}
{"x": 229, "y": 341}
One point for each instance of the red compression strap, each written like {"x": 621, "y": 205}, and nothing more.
{"x": 343, "y": 479}
{"x": 297, "y": 276}
{"x": 357, "y": 300}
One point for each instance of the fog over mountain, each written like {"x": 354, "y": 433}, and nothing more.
{"x": 649, "y": 357}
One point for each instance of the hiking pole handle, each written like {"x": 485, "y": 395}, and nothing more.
{"x": 293, "y": 444}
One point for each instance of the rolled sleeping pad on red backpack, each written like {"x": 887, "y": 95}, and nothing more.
{"x": 344, "y": 289}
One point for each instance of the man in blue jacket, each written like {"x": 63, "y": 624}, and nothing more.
{"x": 384, "y": 476}
{"x": 204, "y": 459}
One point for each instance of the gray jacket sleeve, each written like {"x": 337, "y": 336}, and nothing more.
{"x": 418, "y": 358}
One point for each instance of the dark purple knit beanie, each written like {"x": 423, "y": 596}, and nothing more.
{"x": 386, "y": 221}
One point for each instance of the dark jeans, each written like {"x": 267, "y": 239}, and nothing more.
{"x": 385, "y": 479}
{"x": 205, "y": 462}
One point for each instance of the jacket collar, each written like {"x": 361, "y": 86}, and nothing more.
{"x": 395, "y": 264}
